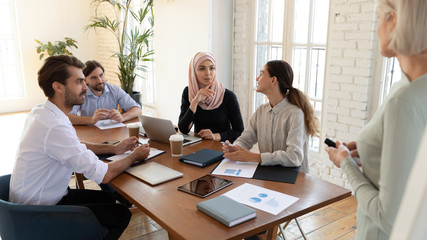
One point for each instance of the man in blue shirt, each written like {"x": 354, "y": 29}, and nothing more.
{"x": 102, "y": 99}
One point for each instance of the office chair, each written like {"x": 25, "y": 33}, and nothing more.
{"x": 19, "y": 221}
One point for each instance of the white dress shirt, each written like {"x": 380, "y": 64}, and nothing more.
{"x": 49, "y": 152}
{"x": 280, "y": 133}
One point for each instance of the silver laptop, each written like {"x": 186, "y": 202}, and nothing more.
{"x": 154, "y": 173}
{"x": 158, "y": 129}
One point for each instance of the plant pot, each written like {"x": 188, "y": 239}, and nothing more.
{"x": 136, "y": 96}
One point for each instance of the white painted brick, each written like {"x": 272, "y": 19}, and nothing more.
{"x": 362, "y": 17}
{"x": 358, "y": 1}
{"x": 348, "y": 62}
{"x": 340, "y": 95}
{"x": 355, "y": 71}
{"x": 331, "y": 117}
{"x": 332, "y": 102}
{"x": 340, "y": 78}
{"x": 360, "y": 97}
{"x": 341, "y": 126}
{"x": 359, "y": 35}
{"x": 363, "y": 81}
{"x": 334, "y": 86}
{"x": 335, "y": 69}
{"x": 345, "y": 27}
{"x": 353, "y": 88}
{"x": 337, "y": 35}
{"x": 353, "y": 105}
{"x": 363, "y": 63}
{"x": 360, "y": 53}
{"x": 358, "y": 113}
{"x": 344, "y": 44}
{"x": 366, "y": 27}
{"x": 350, "y": 120}
{"x": 338, "y": 109}
{"x": 363, "y": 45}
{"x": 342, "y": 9}
{"x": 336, "y": 52}
{"x": 368, "y": 7}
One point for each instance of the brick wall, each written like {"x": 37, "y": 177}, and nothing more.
{"x": 351, "y": 58}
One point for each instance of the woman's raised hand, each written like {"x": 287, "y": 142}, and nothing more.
{"x": 204, "y": 93}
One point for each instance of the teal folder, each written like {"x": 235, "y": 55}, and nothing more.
{"x": 226, "y": 210}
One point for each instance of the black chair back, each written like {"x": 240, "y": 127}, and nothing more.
{"x": 4, "y": 187}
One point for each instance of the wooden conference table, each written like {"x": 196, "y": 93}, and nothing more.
{"x": 176, "y": 211}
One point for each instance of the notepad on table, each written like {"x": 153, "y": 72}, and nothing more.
{"x": 226, "y": 210}
{"x": 202, "y": 158}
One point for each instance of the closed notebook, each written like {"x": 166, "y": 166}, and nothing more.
{"x": 202, "y": 158}
{"x": 226, "y": 210}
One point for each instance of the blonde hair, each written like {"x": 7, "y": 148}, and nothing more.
{"x": 408, "y": 37}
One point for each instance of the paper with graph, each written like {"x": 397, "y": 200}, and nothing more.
{"x": 261, "y": 198}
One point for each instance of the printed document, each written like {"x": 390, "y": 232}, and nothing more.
{"x": 108, "y": 123}
{"x": 153, "y": 152}
{"x": 228, "y": 167}
{"x": 261, "y": 198}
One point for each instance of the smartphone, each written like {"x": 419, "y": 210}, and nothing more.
{"x": 330, "y": 143}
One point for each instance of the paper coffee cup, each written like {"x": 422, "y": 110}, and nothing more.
{"x": 133, "y": 129}
{"x": 176, "y": 141}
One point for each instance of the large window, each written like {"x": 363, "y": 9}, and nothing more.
{"x": 145, "y": 79}
{"x": 391, "y": 74}
{"x": 11, "y": 77}
{"x": 295, "y": 31}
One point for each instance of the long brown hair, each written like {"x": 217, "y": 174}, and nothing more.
{"x": 285, "y": 76}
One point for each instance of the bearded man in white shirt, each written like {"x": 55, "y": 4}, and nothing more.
{"x": 50, "y": 151}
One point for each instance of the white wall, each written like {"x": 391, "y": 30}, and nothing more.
{"x": 182, "y": 28}
{"x": 48, "y": 20}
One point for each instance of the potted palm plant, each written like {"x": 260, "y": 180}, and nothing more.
{"x": 133, "y": 41}
{"x": 57, "y": 48}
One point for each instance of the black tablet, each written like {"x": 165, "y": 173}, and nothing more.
{"x": 205, "y": 186}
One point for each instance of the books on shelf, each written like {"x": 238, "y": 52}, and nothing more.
{"x": 226, "y": 210}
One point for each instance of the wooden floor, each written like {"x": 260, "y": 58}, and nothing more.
{"x": 336, "y": 221}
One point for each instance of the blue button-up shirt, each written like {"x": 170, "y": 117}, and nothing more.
{"x": 109, "y": 99}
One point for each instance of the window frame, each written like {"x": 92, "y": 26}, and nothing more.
{"x": 287, "y": 46}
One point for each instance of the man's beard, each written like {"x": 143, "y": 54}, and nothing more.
{"x": 72, "y": 99}
{"x": 99, "y": 87}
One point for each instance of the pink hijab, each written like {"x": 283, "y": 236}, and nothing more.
{"x": 193, "y": 85}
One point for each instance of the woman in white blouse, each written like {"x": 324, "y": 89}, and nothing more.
{"x": 281, "y": 127}
{"x": 387, "y": 146}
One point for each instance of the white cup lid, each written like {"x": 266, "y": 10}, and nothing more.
{"x": 133, "y": 125}
{"x": 176, "y": 137}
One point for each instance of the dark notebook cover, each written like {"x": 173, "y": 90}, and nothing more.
{"x": 202, "y": 158}
{"x": 277, "y": 173}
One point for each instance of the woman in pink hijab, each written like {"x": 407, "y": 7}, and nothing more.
{"x": 212, "y": 109}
